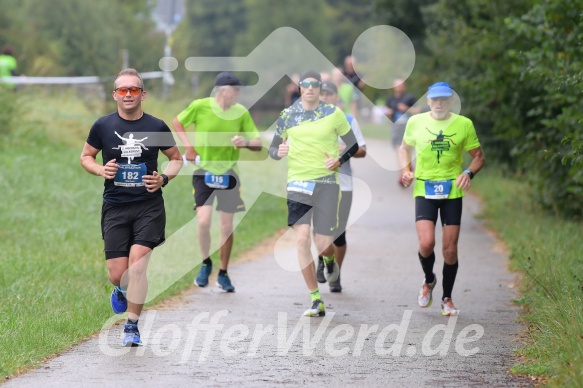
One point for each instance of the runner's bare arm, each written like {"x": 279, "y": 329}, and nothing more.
{"x": 241, "y": 142}
{"x": 405, "y": 163}
{"x": 478, "y": 160}
{"x": 189, "y": 151}
{"x": 89, "y": 163}
{"x": 156, "y": 181}
{"x": 175, "y": 162}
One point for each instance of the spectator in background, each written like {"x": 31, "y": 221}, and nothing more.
{"x": 399, "y": 107}
{"x": 347, "y": 93}
{"x": 329, "y": 94}
{"x": 8, "y": 65}
{"x": 350, "y": 73}
{"x": 292, "y": 90}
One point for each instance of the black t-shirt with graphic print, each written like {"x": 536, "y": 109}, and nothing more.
{"x": 142, "y": 138}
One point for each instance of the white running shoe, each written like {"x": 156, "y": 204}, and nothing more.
{"x": 317, "y": 309}
{"x": 331, "y": 270}
{"x": 425, "y": 297}
{"x": 448, "y": 309}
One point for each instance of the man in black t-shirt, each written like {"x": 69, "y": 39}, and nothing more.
{"x": 350, "y": 73}
{"x": 399, "y": 108}
{"x": 133, "y": 217}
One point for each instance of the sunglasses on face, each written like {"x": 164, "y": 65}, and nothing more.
{"x": 134, "y": 91}
{"x": 306, "y": 84}
{"x": 441, "y": 99}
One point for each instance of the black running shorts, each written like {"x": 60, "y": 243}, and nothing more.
{"x": 321, "y": 207}
{"x": 450, "y": 210}
{"x": 229, "y": 200}
{"x": 124, "y": 225}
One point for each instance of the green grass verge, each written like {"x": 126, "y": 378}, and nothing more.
{"x": 53, "y": 277}
{"x": 547, "y": 252}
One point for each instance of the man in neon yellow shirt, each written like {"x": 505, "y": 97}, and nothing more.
{"x": 222, "y": 128}
{"x": 440, "y": 138}
{"x": 7, "y": 65}
{"x": 307, "y": 134}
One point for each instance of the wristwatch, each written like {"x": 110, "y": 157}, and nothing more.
{"x": 471, "y": 174}
{"x": 165, "y": 178}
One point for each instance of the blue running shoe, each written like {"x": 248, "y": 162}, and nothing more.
{"x": 224, "y": 282}
{"x": 119, "y": 303}
{"x": 202, "y": 280}
{"x": 131, "y": 335}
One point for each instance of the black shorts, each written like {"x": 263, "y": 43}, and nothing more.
{"x": 343, "y": 213}
{"x": 229, "y": 200}
{"x": 450, "y": 210}
{"x": 141, "y": 222}
{"x": 321, "y": 206}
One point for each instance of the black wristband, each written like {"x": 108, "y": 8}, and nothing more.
{"x": 165, "y": 178}
{"x": 471, "y": 174}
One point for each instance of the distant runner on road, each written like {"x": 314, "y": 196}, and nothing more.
{"x": 440, "y": 138}
{"x": 329, "y": 94}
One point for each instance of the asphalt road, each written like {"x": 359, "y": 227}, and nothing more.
{"x": 373, "y": 334}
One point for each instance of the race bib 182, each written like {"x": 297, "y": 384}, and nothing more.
{"x": 130, "y": 175}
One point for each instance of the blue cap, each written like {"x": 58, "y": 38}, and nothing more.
{"x": 439, "y": 89}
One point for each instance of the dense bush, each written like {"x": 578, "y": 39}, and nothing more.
{"x": 517, "y": 66}
{"x": 8, "y": 109}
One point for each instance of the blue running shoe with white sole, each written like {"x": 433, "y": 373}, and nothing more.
{"x": 202, "y": 280}
{"x": 131, "y": 335}
{"x": 224, "y": 282}
{"x": 119, "y": 303}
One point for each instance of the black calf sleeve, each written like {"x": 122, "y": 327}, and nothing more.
{"x": 449, "y": 274}
{"x": 427, "y": 265}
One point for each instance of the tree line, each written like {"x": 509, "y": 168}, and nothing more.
{"x": 516, "y": 65}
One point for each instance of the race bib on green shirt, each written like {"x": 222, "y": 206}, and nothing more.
{"x": 437, "y": 189}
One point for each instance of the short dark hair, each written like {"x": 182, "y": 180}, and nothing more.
{"x": 129, "y": 71}
{"x": 7, "y": 50}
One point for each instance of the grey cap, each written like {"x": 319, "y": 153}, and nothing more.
{"x": 329, "y": 87}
